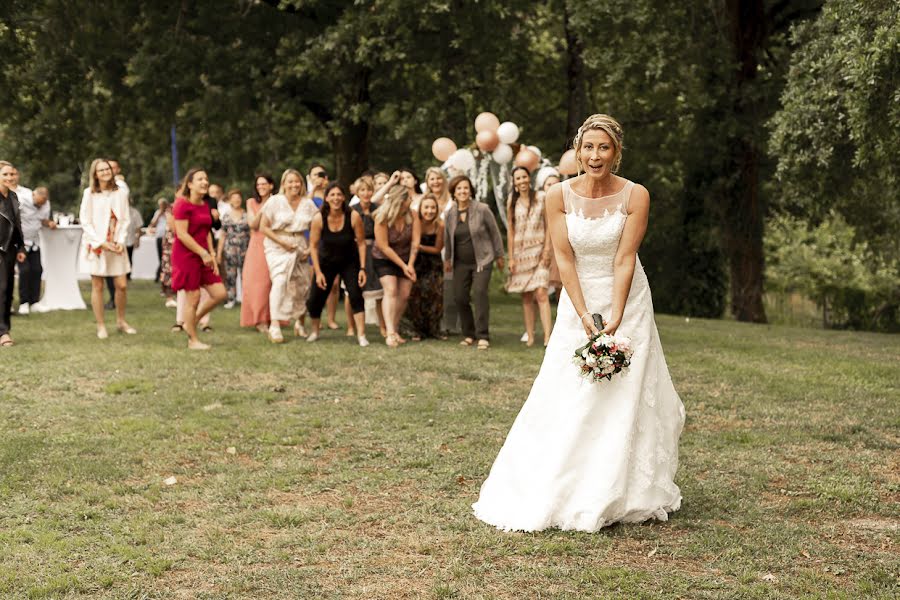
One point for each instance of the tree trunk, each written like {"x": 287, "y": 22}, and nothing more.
{"x": 576, "y": 99}
{"x": 351, "y": 152}
{"x": 743, "y": 233}
{"x": 744, "y": 217}
{"x": 351, "y": 144}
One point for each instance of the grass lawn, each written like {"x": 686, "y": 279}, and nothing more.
{"x": 331, "y": 471}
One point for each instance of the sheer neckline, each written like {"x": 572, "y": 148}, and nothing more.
{"x": 572, "y": 191}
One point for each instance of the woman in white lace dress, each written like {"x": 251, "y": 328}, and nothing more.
{"x": 584, "y": 455}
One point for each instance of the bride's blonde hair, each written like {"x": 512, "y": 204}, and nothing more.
{"x": 604, "y": 123}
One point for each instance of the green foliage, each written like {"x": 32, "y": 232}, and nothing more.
{"x": 254, "y": 85}
{"x": 837, "y": 135}
{"x": 852, "y": 285}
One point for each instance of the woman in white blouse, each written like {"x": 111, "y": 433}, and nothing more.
{"x": 105, "y": 216}
{"x": 285, "y": 221}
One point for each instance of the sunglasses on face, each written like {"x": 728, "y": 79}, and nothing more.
{"x": 321, "y": 174}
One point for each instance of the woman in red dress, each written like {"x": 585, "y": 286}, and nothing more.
{"x": 193, "y": 254}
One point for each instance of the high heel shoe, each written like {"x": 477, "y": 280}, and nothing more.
{"x": 275, "y": 336}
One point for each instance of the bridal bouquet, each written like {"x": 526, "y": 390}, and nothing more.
{"x": 603, "y": 356}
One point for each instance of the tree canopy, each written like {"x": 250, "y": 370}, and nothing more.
{"x": 735, "y": 111}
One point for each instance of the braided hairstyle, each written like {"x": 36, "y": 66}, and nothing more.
{"x": 604, "y": 123}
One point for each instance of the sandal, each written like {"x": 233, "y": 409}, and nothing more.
{"x": 6, "y": 341}
{"x": 483, "y": 344}
{"x": 391, "y": 340}
{"x": 176, "y": 328}
{"x": 299, "y": 330}
{"x": 207, "y": 328}
{"x": 467, "y": 342}
{"x": 126, "y": 328}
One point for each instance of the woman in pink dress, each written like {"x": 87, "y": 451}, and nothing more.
{"x": 193, "y": 254}
{"x": 255, "y": 281}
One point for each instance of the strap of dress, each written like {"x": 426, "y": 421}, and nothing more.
{"x": 629, "y": 187}
{"x": 567, "y": 203}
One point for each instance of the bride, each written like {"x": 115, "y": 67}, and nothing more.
{"x": 582, "y": 455}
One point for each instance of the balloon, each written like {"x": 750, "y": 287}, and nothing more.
{"x": 567, "y": 164}
{"x": 536, "y": 150}
{"x": 463, "y": 159}
{"x": 528, "y": 159}
{"x": 486, "y": 122}
{"x": 502, "y": 154}
{"x": 442, "y": 148}
{"x": 508, "y": 132}
{"x": 487, "y": 141}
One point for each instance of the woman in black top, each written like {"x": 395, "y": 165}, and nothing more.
{"x": 365, "y": 190}
{"x": 337, "y": 243}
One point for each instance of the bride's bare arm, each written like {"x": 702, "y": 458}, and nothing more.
{"x": 626, "y": 254}
{"x": 565, "y": 256}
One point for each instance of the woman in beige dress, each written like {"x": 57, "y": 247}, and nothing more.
{"x": 529, "y": 252}
{"x": 285, "y": 220}
{"x": 104, "y": 217}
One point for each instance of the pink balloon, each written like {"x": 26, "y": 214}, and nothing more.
{"x": 486, "y": 121}
{"x": 567, "y": 164}
{"x": 442, "y": 148}
{"x": 487, "y": 140}
{"x": 528, "y": 159}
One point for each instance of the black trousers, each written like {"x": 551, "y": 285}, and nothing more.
{"x": 30, "y": 273}
{"x": 7, "y": 280}
{"x": 159, "y": 249}
{"x": 471, "y": 285}
{"x": 349, "y": 273}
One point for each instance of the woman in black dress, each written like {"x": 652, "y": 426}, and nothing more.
{"x": 426, "y": 301}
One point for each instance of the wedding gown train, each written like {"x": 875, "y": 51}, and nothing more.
{"x": 582, "y": 455}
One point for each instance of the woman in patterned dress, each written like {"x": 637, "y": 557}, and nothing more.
{"x": 285, "y": 222}
{"x": 529, "y": 252}
{"x": 165, "y": 268}
{"x": 233, "y": 243}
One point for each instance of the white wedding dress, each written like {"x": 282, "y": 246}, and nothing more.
{"x": 582, "y": 455}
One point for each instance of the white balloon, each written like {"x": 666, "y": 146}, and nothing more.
{"x": 536, "y": 150}
{"x": 508, "y": 132}
{"x": 502, "y": 154}
{"x": 462, "y": 159}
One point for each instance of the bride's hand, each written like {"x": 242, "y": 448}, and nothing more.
{"x": 610, "y": 327}
{"x": 588, "y": 323}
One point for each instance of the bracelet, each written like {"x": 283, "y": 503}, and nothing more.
{"x": 585, "y": 314}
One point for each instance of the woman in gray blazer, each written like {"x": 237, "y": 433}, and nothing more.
{"x": 472, "y": 243}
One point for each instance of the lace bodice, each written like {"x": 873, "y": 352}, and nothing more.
{"x": 595, "y": 226}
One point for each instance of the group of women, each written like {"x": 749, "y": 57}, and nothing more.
{"x": 424, "y": 254}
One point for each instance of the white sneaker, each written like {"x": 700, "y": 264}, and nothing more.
{"x": 312, "y": 337}
{"x": 24, "y": 308}
{"x": 363, "y": 342}
{"x": 171, "y": 303}
{"x": 229, "y": 304}
{"x": 524, "y": 337}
